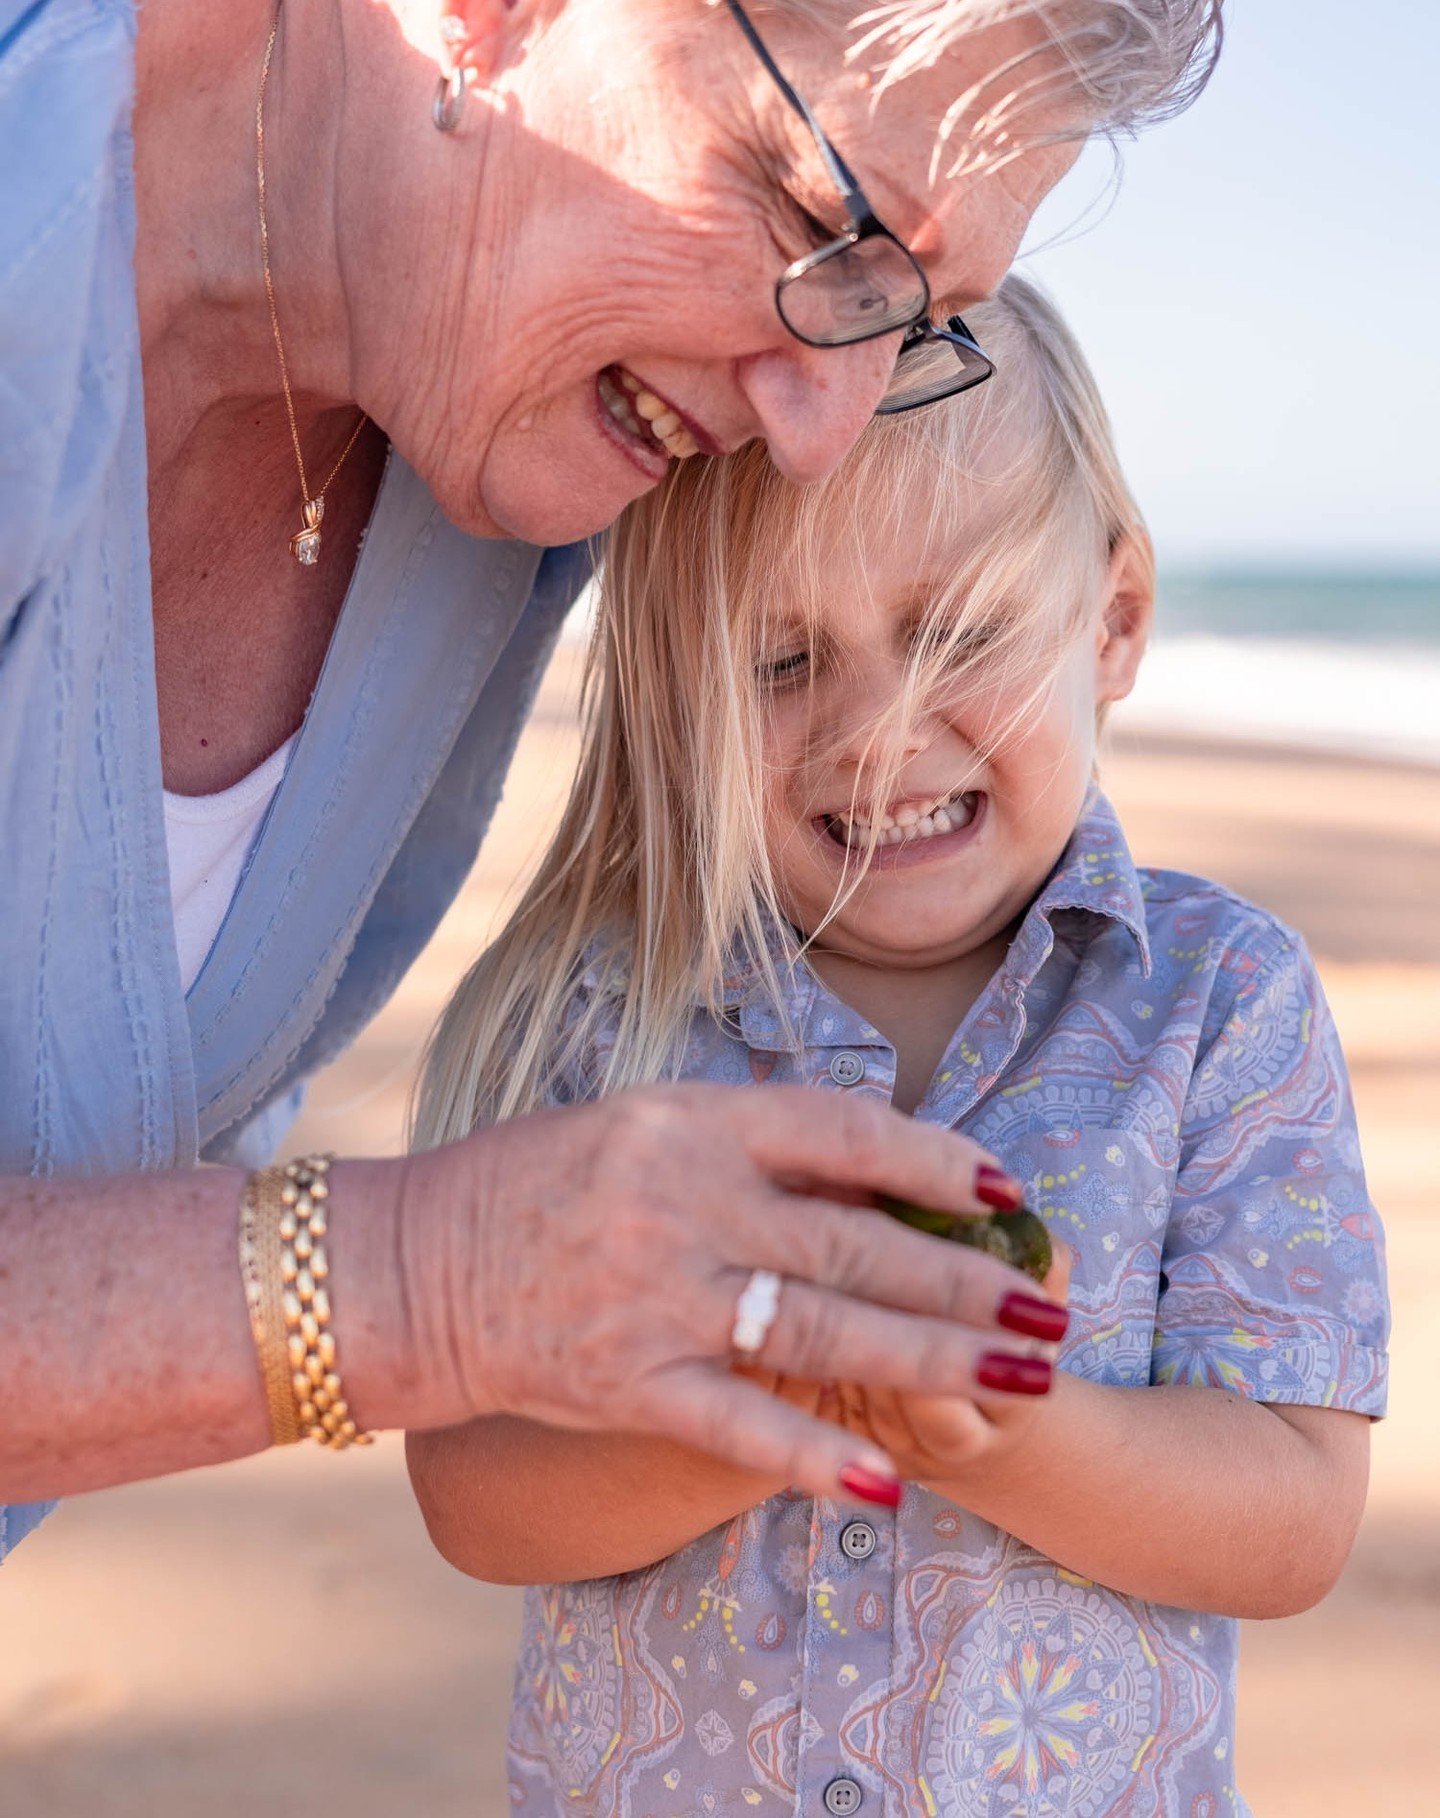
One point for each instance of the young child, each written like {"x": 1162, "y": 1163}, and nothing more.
{"x": 836, "y": 822}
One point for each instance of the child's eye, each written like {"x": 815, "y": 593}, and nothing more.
{"x": 776, "y": 673}
{"x": 964, "y": 646}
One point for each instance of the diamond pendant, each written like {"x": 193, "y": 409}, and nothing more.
{"x": 305, "y": 544}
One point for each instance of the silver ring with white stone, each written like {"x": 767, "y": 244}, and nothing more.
{"x": 755, "y": 1312}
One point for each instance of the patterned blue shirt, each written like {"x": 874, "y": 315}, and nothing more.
{"x": 1156, "y": 1061}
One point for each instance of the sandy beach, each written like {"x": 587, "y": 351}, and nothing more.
{"x": 277, "y": 1637}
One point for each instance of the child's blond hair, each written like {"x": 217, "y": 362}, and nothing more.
{"x": 658, "y": 877}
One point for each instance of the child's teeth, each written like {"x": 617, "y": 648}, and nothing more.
{"x": 912, "y": 822}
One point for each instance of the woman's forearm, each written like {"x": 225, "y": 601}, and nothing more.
{"x": 578, "y": 1266}
{"x": 1185, "y": 1496}
{"x": 125, "y": 1346}
{"x": 514, "y": 1502}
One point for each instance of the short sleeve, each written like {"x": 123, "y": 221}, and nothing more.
{"x": 1273, "y": 1275}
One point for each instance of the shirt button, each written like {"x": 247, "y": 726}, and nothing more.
{"x": 843, "y": 1795}
{"x": 857, "y": 1540}
{"x": 847, "y": 1069}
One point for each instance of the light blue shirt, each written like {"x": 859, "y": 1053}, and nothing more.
{"x": 1156, "y": 1062}
{"x": 106, "y": 1065}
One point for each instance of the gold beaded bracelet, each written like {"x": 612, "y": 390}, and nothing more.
{"x": 283, "y": 1223}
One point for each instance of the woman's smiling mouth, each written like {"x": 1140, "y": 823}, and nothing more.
{"x": 648, "y": 425}
{"x": 913, "y": 833}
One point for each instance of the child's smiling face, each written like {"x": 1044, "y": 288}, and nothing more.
{"x": 976, "y": 799}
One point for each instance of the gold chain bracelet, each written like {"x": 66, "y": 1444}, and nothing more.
{"x": 284, "y": 1220}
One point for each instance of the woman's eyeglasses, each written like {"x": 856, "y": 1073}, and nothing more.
{"x": 866, "y": 283}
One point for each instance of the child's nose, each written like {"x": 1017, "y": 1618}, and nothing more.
{"x": 869, "y": 721}
{"x": 811, "y": 403}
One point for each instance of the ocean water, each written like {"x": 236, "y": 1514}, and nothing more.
{"x": 1325, "y": 661}
{"x": 1390, "y": 610}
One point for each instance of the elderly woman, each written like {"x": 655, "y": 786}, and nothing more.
{"x": 323, "y": 328}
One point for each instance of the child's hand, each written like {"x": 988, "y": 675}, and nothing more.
{"x": 932, "y": 1439}
{"x": 819, "y": 1398}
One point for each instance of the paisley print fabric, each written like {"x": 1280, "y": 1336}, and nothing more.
{"x": 1156, "y": 1061}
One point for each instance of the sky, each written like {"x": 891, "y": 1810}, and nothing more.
{"x": 1261, "y": 303}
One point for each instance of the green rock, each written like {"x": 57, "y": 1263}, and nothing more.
{"x": 1018, "y": 1238}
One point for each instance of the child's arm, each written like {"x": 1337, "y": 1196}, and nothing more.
{"x": 1243, "y": 1498}
{"x": 516, "y": 1502}
{"x": 1179, "y": 1495}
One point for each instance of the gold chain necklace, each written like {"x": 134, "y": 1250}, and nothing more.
{"x": 305, "y": 544}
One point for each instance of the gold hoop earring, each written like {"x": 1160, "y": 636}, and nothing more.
{"x": 448, "y": 106}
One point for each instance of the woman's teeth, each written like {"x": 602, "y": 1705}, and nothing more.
{"x": 643, "y": 415}
{"x": 912, "y": 821}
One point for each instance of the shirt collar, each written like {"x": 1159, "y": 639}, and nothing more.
{"x": 1095, "y": 880}
{"x": 806, "y": 1014}
{"x": 1094, "y": 884}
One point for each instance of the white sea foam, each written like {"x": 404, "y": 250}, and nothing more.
{"x": 1371, "y": 700}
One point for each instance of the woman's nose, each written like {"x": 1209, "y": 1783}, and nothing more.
{"x": 812, "y": 402}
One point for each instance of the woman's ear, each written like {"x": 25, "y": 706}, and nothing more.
{"x": 1127, "y": 616}
{"x": 484, "y": 36}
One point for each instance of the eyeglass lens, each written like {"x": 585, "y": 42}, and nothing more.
{"x": 852, "y": 293}
{"x": 859, "y": 289}
{"x": 930, "y": 370}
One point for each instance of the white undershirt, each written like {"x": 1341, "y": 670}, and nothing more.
{"x": 208, "y": 838}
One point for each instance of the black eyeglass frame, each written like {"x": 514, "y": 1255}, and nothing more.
{"x": 861, "y": 223}
{"x": 957, "y": 335}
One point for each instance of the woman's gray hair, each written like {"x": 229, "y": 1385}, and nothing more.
{"x": 1132, "y": 61}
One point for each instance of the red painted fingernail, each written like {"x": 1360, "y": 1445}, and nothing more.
{"x": 871, "y": 1486}
{"x": 1014, "y": 1375}
{"x": 994, "y": 1187}
{"x": 1033, "y": 1317}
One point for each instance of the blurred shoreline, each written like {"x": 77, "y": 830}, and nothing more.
{"x": 1357, "y": 700}
{"x": 1296, "y": 658}
{"x": 161, "y": 1647}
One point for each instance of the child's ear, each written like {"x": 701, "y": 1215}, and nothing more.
{"x": 1126, "y": 618}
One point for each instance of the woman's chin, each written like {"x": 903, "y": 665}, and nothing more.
{"x": 553, "y": 500}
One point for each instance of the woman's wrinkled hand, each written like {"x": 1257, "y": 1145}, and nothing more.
{"x": 582, "y": 1267}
